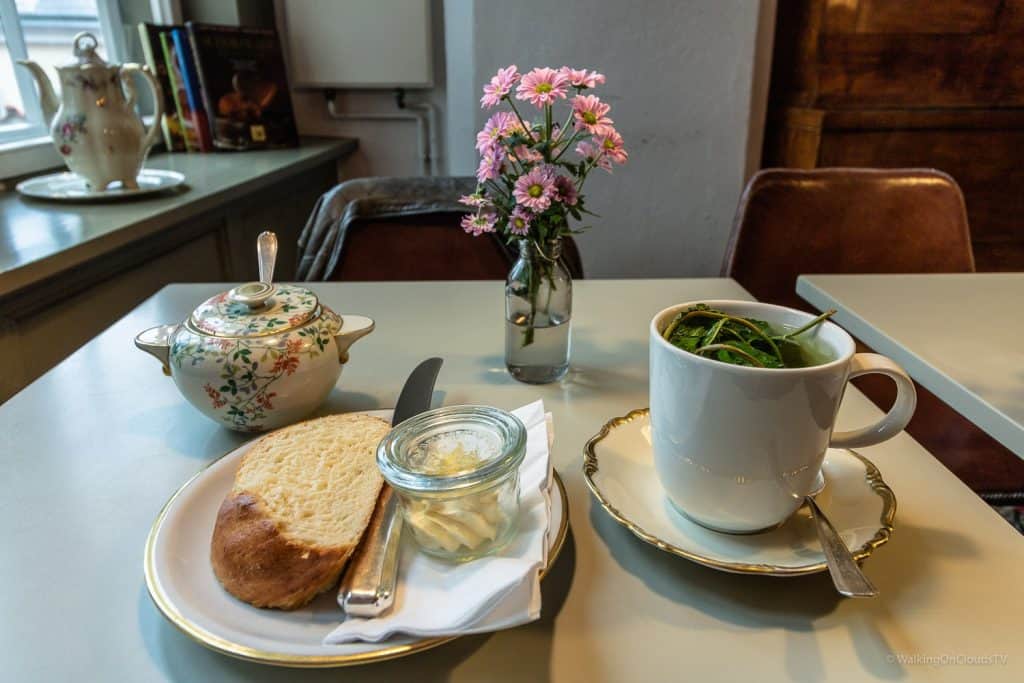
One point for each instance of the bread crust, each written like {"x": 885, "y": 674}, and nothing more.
{"x": 256, "y": 563}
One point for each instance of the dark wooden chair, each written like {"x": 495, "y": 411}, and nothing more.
{"x": 429, "y": 246}
{"x": 854, "y": 220}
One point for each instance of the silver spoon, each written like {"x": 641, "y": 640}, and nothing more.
{"x": 846, "y": 574}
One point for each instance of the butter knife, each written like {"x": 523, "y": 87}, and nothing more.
{"x": 368, "y": 586}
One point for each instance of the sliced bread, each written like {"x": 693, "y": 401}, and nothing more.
{"x": 302, "y": 497}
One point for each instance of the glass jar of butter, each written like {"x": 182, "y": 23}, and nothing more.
{"x": 456, "y": 473}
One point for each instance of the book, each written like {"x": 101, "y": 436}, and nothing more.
{"x": 178, "y": 92}
{"x": 190, "y": 81}
{"x": 152, "y": 50}
{"x": 245, "y": 86}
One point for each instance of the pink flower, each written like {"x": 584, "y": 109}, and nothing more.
{"x": 525, "y": 154}
{"x": 590, "y": 114}
{"x": 581, "y": 78}
{"x": 593, "y": 153}
{"x": 479, "y": 223}
{"x": 542, "y": 87}
{"x": 502, "y": 124}
{"x": 566, "y": 191}
{"x": 519, "y": 221}
{"x": 499, "y": 87}
{"x": 536, "y": 189}
{"x": 475, "y": 200}
{"x": 611, "y": 145}
{"x": 490, "y": 165}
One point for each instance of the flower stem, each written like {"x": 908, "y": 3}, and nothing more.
{"x": 526, "y": 129}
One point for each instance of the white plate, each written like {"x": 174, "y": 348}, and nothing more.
{"x": 619, "y": 469}
{"x": 69, "y": 187}
{"x": 183, "y": 586}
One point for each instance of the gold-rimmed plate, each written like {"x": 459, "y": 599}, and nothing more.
{"x": 619, "y": 469}
{"x": 183, "y": 587}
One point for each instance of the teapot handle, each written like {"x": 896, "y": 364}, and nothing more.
{"x": 158, "y": 99}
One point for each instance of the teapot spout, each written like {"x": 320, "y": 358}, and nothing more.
{"x": 156, "y": 342}
{"x": 47, "y": 97}
{"x": 353, "y": 328}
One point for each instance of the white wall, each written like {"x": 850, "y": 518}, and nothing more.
{"x": 385, "y": 147}
{"x": 680, "y": 78}
{"x": 687, "y": 81}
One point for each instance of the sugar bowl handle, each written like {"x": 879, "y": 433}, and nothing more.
{"x": 353, "y": 328}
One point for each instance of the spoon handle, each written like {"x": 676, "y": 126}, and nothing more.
{"x": 266, "y": 252}
{"x": 846, "y": 575}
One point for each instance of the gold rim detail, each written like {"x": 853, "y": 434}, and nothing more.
{"x": 872, "y": 475}
{"x": 244, "y": 652}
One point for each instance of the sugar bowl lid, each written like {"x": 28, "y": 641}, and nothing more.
{"x": 257, "y": 309}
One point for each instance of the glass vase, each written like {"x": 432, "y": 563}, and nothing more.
{"x": 538, "y": 313}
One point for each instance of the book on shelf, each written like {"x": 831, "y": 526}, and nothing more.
{"x": 190, "y": 81}
{"x": 153, "y": 51}
{"x": 244, "y": 86}
{"x": 188, "y": 128}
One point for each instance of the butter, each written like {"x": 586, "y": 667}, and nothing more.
{"x": 467, "y": 521}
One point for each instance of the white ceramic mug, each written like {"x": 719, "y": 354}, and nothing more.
{"x": 738, "y": 448}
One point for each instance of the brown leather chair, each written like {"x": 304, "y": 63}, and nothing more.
{"x": 856, "y": 220}
{"x": 429, "y": 247}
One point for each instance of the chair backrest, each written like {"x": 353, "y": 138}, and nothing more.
{"x": 429, "y": 246}
{"x": 845, "y": 220}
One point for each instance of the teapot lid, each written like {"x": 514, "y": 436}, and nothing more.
{"x": 255, "y": 309}
{"x": 84, "y": 47}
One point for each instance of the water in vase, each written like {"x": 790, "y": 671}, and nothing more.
{"x": 546, "y": 358}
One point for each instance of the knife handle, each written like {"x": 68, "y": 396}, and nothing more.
{"x": 368, "y": 589}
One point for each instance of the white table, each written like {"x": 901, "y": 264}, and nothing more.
{"x": 960, "y": 335}
{"x": 90, "y": 452}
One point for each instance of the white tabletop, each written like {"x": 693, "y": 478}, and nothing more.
{"x": 90, "y": 452}
{"x": 960, "y": 336}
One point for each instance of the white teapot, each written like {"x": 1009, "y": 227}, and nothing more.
{"x": 95, "y": 128}
{"x": 260, "y": 355}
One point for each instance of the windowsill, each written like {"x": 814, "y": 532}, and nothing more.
{"x": 40, "y": 240}
{"x": 26, "y": 157}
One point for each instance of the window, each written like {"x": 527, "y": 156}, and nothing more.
{"x": 43, "y": 30}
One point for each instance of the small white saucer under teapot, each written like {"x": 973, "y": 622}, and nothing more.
{"x": 94, "y": 125}
{"x": 260, "y": 355}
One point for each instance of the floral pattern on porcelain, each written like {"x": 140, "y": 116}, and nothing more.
{"x": 240, "y": 379}
{"x": 289, "y": 307}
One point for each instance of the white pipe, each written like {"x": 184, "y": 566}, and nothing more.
{"x": 423, "y": 114}
{"x": 434, "y": 144}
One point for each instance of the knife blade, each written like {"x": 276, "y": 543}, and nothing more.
{"x": 368, "y": 587}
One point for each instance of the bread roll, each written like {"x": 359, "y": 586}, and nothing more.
{"x": 301, "y": 500}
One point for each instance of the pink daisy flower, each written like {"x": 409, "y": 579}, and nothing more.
{"x": 611, "y": 145}
{"x": 542, "y": 87}
{"x": 590, "y": 114}
{"x": 475, "y": 200}
{"x": 536, "y": 189}
{"x": 519, "y": 222}
{"x": 499, "y": 87}
{"x": 581, "y": 78}
{"x": 566, "y": 191}
{"x": 479, "y": 223}
{"x": 490, "y": 165}
{"x": 501, "y": 124}
{"x": 592, "y": 152}
{"x": 525, "y": 154}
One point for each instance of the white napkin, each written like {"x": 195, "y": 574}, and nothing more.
{"x": 437, "y": 598}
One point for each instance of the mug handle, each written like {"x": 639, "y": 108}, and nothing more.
{"x": 898, "y": 416}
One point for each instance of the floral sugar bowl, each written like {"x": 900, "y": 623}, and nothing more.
{"x": 260, "y": 355}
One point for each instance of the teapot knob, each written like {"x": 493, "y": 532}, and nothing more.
{"x": 85, "y": 45}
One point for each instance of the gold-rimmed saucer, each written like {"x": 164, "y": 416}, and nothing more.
{"x": 619, "y": 469}
{"x": 182, "y": 585}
